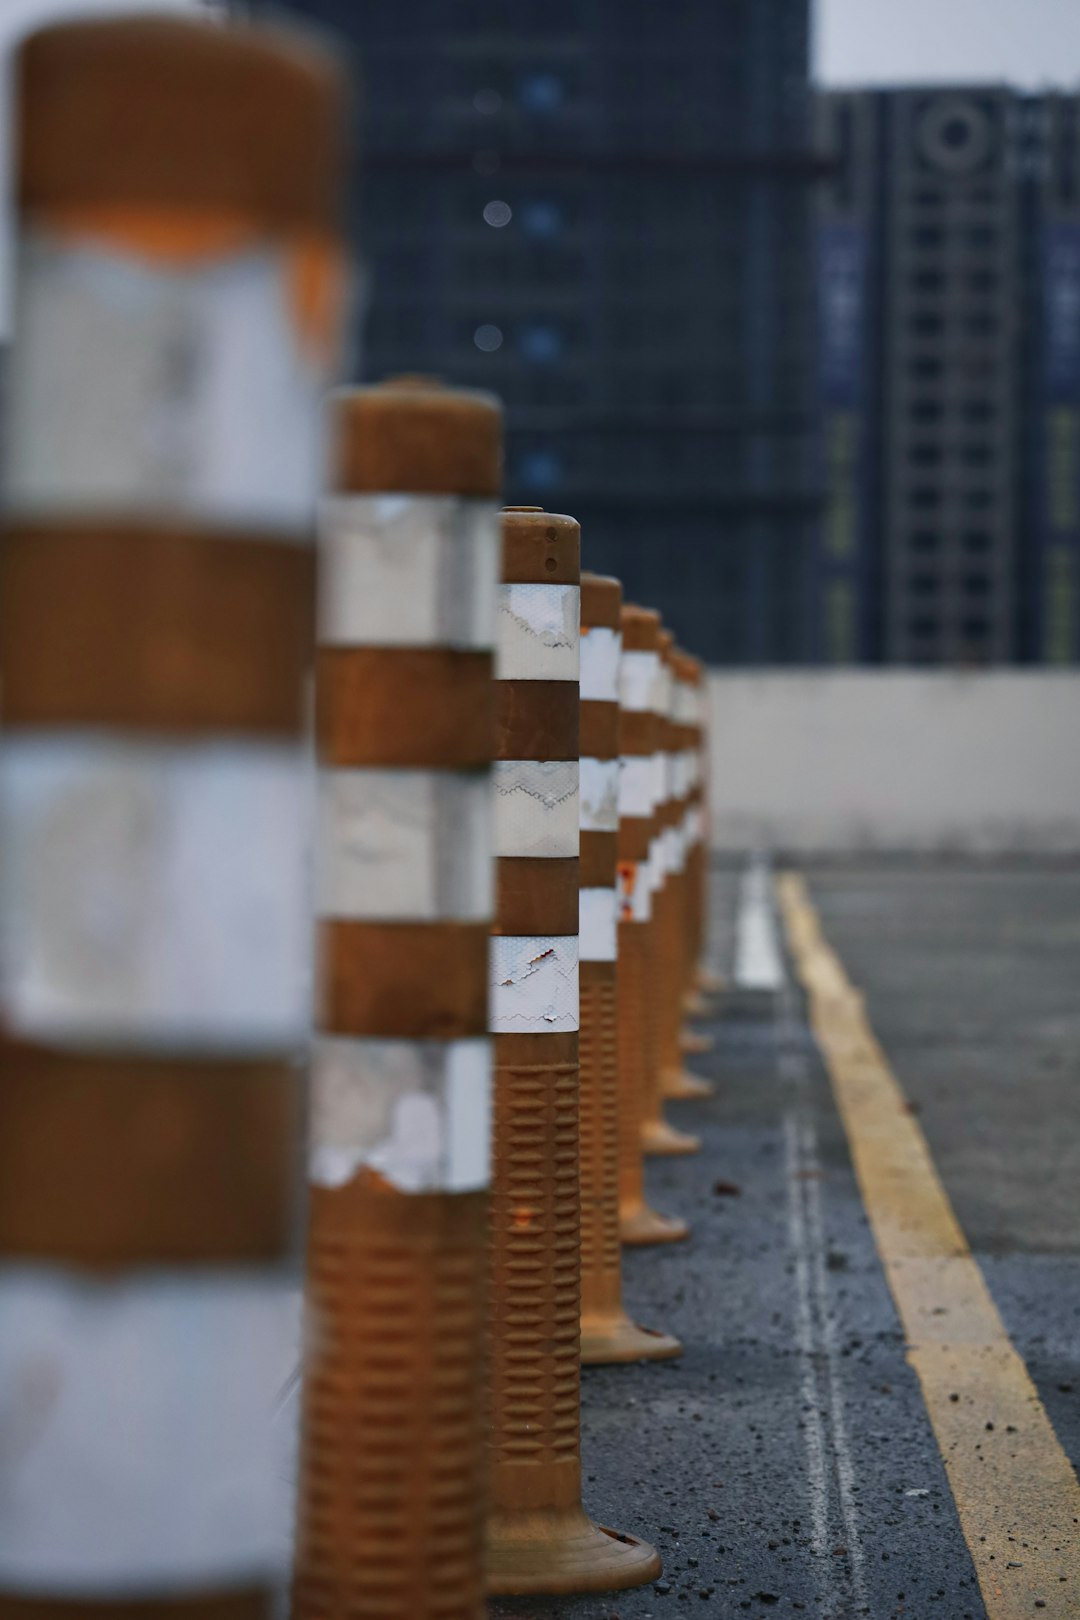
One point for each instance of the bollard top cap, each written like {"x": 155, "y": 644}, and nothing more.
{"x": 540, "y": 548}
{"x": 171, "y": 114}
{"x": 640, "y": 629}
{"x": 601, "y": 602}
{"x": 415, "y": 435}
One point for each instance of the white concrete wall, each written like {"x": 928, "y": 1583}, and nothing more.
{"x": 811, "y": 760}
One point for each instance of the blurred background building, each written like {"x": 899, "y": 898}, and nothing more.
{"x": 602, "y": 209}
{"x": 949, "y": 269}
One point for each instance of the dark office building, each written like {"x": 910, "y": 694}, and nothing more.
{"x": 601, "y": 209}
{"x": 949, "y": 272}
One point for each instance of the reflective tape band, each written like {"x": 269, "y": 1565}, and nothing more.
{"x": 538, "y": 633}
{"x": 143, "y": 387}
{"x": 143, "y": 1443}
{"x": 663, "y": 689}
{"x": 641, "y": 783}
{"x": 418, "y": 1112}
{"x": 154, "y": 895}
{"x": 634, "y": 893}
{"x": 534, "y": 984}
{"x": 405, "y": 846}
{"x": 407, "y": 571}
{"x": 600, "y": 652}
{"x": 536, "y": 807}
{"x": 637, "y": 678}
{"x": 597, "y": 922}
{"x": 600, "y": 795}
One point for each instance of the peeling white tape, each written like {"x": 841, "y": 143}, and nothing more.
{"x": 405, "y": 846}
{"x": 137, "y": 387}
{"x": 601, "y": 648}
{"x": 600, "y": 795}
{"x": 534, "y": 984}
{"x": 597, "y": 923}
{"x": 408, "y": 571}
{"x": 418, "y": 1112}
{"x": 637, "y": 679}
{"x": 536, "y": 807}
{"x": 538, "y": 633}
{"x": 142, "y": 1444}
{"x": 153, "y": 893}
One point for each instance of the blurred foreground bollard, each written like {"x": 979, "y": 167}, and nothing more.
{"x": 702, "y": 981}
{"x": 178, "y": 286}
{"x": 675, "y": 1081}
{"x": 657, "y": 1135}
{"x": 640, "y": 774}
{"x": 607, "y": 1333}
{"x": 540, "y": 1539}
{"x": 391, "y": 1515}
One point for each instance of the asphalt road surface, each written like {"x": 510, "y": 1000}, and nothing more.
{"x": 788, "y": 1463}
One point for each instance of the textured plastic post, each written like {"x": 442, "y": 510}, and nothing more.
{"x": 705, "y": 981}
{"x": 607, "y": 1333}
{"x": 640, "y": 791}
{"x": 393, "y": 1464}
{"x": 177, "y": 193}
{"x": 658, "y": 1135}
{"x": 675, "y": 1080}
{"x": 539, "y": 1537}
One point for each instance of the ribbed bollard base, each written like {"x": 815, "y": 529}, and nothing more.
{"x": 392, "y": 1516}
{"x": 562, "y": 1550}
{"x": 679, "y": 1085}
{"x": 692, "y": 1042}
{"x": 612, "y": 1339}
{"x": 250, "y": 1604}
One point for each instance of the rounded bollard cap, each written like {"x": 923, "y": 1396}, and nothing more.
{"x": 601, "y": 602}
{"x": 540, "y": 548}
{"x": 640, "y": 628}
{"x": 414, "y": 435}
{"x": 168, "y": 113}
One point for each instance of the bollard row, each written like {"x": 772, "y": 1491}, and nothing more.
{"x": 503, "y": 825}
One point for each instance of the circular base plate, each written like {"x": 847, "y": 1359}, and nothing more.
{"x": 563, "y": 1552}
{"x": 711, "y": 984}
{"x": 694, "y": 1005}
{"x": 679, "y": 1085}
{"x": 608, "y": 1340}
{"x": 643, "y": 1225}
{"x": 692, "y": 1041}
{"x": 662, "y": 1140}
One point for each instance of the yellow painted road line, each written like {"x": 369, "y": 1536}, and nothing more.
{"x": 1015, "y": 1491}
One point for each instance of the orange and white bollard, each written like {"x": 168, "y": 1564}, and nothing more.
{"x": 607, "y": 1333}
{"x": 640, "y": 793}
{"x": 658, "y": 1135}
{"x": 391, "y": 1509}
{"x": 675, "y": 1081}
{"x": 176, "y": 191}
{"x": 540, "y": 1539}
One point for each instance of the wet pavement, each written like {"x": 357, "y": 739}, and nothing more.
{"x": 786, "y": 1465}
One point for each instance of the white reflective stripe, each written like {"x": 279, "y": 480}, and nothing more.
{"x": 640, "y": 784}
{"x": 600, "y": 651}
{"x": 637, "y": 677}
{"x": 407, "y": 571}
{"x": 654, "y": 871}
{"x": 634, "y": 891}
{"x": 597, "y": 919}
{"x": 536, "y": 807}
{"x": 154, "y": 894}
{"x": 695, "y": 824}
{"x": 405, "y": 846}
{"x": 663, "y": 687}
{"x": 599, "y": 795}
{"x": 538, "y": 633}
{"x": 534, "y": 984}
{"x": 418, "y": 1112}
{"x": 139, "y": 387}
{"x": 142, "y": 1446}
{"x": 685, "y": 704}
{"x": 677, "y": 856}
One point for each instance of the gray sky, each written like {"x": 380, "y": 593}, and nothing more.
{"x": 1027, "y": 42}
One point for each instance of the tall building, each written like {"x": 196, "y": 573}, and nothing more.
{"x": 601, "y": 209}
{"x": 949, "y": 278}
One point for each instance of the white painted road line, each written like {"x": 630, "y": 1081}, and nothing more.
{"x": 758, "y": 963}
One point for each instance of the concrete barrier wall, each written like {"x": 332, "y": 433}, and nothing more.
{"x": 986, "y": 763}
